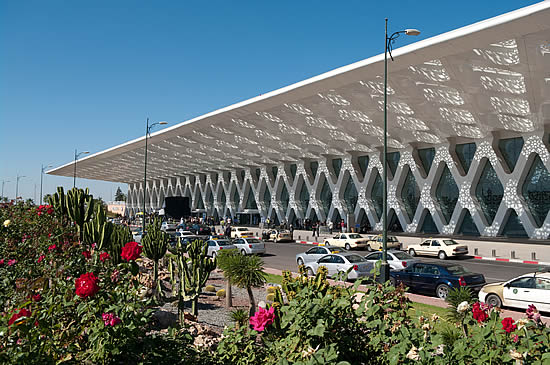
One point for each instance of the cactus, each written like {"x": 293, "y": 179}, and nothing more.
{"x": 220, "y": 293}
{"x": 155, "y": 244}
{"x": 120, "y": 236}
{"x": 98, "y": 230}
{"x": 57, "y": 201}
{"x": 210, "y": 288}
{"x": 194, "y": 272}
{"x": 270, "y": 297}
{"x": 271, "y": 289}
{"x": 172, "y": 267}
{"x": 80, "y": 208}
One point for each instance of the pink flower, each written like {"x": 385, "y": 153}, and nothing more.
{"x": 94, "y": 245}
{"x": 109, "y": 319}
{"x": 52, "y": 247}
{"x": 515, "y": 338}
{"x": 40, "y": 258}
{"x": 12, "y": 262}
{"x": 533, "y": 313}
{"x": 115, "y": 275}
{"x": 1, "y": 261}
{"x": 262, "y": 318}
{"x": 104, "y": 256}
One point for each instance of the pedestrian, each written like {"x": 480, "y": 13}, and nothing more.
{"x": 291, "y": 231}
{"x": 313, "y": 229}
{"x": 330, "y": 226}
{"x": 343, "y": 226}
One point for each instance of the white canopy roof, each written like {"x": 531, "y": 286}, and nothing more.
{"x": 489, "y": 76}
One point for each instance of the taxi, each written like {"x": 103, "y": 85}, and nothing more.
{"x": 348, "y": 241}
{"x": 440, "y": 247}
{"x": 215, "y": 245}
{"x": 237, "y": 232}
{"x": 280, "y": 235}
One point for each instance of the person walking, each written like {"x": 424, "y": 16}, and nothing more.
{"x": 330, "y": 226}
{"x": 291, "y": 228}
{"x": 343, "y": 226}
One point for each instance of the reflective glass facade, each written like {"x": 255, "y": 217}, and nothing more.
{"x": 468, "y": 227}
{"x": 200, "y": 202}
{"x": 465, "y": 153}
{"x": 393, "y": 222}
{"x": 284, "y": 198}
{"x": 377, "y": 195}
{"x": 267, "y": 198}
{"x": 410, "y": 195}
{"x": 489, "y": 192}
{"x": 536, "y": 191}
{"x": 314, "y": 165}
{"x": 326, "y": 196}
{"x": 293, "y": 168}
{"x": 337, "y": 166}
{"x": 428, "y": 226}
{"x": 513, "y": 226}
{"x": 250, "y": 200}
{"x": 363, "y": 162}
{"x": 446, "y": 194}
{"x": 426, "y": 156}
{"x": 393, "y": 161}
{"x": 274, "y": 170}
{"x": 304, "y": 197}
{"x": 510, "y": 148}
{"x": 350, "y": 195}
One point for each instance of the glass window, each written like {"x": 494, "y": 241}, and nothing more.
{"x": 304, "y": 197}
{"x": 431, "y": 270}
{"x": 350, "y": 195}
{"x": 402, "y": 255}
{"x": 267, "y": 198}
{"x": 513, "y": 226}
{"x": 536, "y": 191}
{"x": 419, "y": 268}
{"x": 465, "y": 153}
{"x": 542, "y": 283}
{"x": 211, "y": 243}
{"x": 343, "y": 237}
{"x": 458, "y": 270}
{"x": 354, "y": 235}
{"x": 426, "y": 157}
{"x": 511, "y": 149}
{"x": 326, "y": 259}
{"x": 337, "y": 260}
{"x": 326, "y": 197}
{"x": 293, "y": 169}
{"x": 337, "y": 165}
{"x": 446, "y": 194}
{"x": 450, "y": 242}
{"x": 285, "y": 198}
{"x": 393, "y": 161}
{"x": 429, "y": 225}
{"x": 223, "y": 242}
{"x": 489, "y": 192}
{"x": 377, "y": 195}
{"x": 200, "y": 202}
{"x": 426, "y": 243}
{"x": 253, "y": 240}
{"x": 363, "y": 162}
{"x": 435, "y": 243}
{"x": 314, "y": 165}
{"x": 374, "y": 256}
{"x": 410, "y": 195}
{"x": 313, "y": 251}
{"x": 251, "y": 200}
{"x": 274, "y": 170}
{"x": 258, "y": 172}
{"x": 236, "y": 197}
{"x": 468, "y": 226}
{"x": 526, "y": 283}
{"x": 355, "y": 258}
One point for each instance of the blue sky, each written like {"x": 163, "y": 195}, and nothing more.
{"x": 86, "y": 75}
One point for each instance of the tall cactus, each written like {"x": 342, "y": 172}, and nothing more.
{"x": 194, "y": 272}
{"x": 80, "y": 208}
{"x": 98, "y": 230}
{"x": 57, "y": 201}
{"x": 155, "y": 244}
{"x": 120, "y": 236}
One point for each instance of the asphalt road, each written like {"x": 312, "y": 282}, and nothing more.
{"x": 282, "y": 256}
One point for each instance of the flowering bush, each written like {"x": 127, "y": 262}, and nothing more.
{"x": 131, "y": 251}
{"x": 262, "y": 318}
{"x": 86, "y": 285}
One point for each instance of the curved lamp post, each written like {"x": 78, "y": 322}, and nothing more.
{"x": 42, "y": 169}
{"x": 17, "y": 185}
{"x": 385, "y": 268}
{"x": 76, "y": 156}
{"x": 147, "y": 131}
{"x": 3, "y": 182}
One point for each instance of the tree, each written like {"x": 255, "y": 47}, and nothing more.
{"x": 245, "y": 272}
{"x": 119, "y": 195}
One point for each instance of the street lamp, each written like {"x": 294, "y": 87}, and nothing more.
{"x": 76, "y": 156}
{"x": 147, "y": 131}
{"x": 3, "y": 182}
{"x": 388, "y": 41}
{"x": 42, "y": 169}
{"x": 17, "y": 186}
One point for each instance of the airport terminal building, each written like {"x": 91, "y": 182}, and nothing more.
{"x": 468, "y": 123}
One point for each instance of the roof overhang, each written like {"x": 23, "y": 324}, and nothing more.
{"x": 490, "y": 76}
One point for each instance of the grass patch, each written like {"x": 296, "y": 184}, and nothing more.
{"x": 274, "y": 279}
{"x": 426, "y": 310}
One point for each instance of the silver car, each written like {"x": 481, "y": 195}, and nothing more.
{"x": 216, "y": 245}
{"x": 398, "y": 260}
{"x": 249, "y": 246}
{"x": 340, "y": 263}
{"x": 315, "y": 253}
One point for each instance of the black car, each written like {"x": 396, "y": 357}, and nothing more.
{"x": 437, "y": 277}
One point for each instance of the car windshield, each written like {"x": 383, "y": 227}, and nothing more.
{"x": 355, "y": 258}
{"x": 253, "y": 240}
{"x": 242, "y": 229}
{"x": 450, "y": 242}
{"x": 354, "y": 235}
{"x": 223, "y": 242}
{"x": 458, "y": 270}
{"x": 402, "y": 255}
{"x": 392, "y": 239}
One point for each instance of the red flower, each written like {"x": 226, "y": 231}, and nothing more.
{"x": 22, "y": 313}
{"x": 104, "y": 256}
{"x": 1, "y": 261}
{"x": 508, "y": 325}
{"x": 40, "y": 258}
{"x": 37, "y": 297}
{"x": 131, "y": 251}
{"x": 479, "y": 314}
{"x": 86, "y": 285}
{"x": 12, "y": 262}
{"x": 109, "y": 319}
{"x": 52, "y": 247}
{"x": 87, "y": 254}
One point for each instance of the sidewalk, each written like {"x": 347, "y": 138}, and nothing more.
{"x": 521, "y": 251}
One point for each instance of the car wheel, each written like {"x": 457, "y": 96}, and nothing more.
{"x": 300, "y": 262}
{"x": 493, "y": 300}
{"x": 369, "y": 248}
{"x": 243, "y": 252}
{"x": 442, "y": 291}
{"x": 442, "y": 255}
{"x": 310, "y": 272}
{"x": 412, "y": 252}
{"x": 348, "y": 247}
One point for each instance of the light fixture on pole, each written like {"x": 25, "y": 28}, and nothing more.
{"x": 3, "y": 182}
{"x": 76, "y": 156}
{"x": 388, "y": 41}
{"x": 17, "y": 186}
{"x": 147, "y": 131}
{"x": 42, "y": 169}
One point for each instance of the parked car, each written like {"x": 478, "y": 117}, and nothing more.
{"x": 240, "y": 232}
{"x": 440, "y": 247}
{"x": 249, "y": 246}
{"x": 532, "y": 288}
{"x": 200, "y": 230}
{"x": 216, "y": 245}
{"x": 398, "y": 260}
{"x": 168, "y": 226}
{"x": 377, "y": 243}
{"x": 280, "y": 235}
{"x": 315, "y": 253}
{"x": 347, "y": 240}
{"x": 437, "y": 278}
{"x": 137, "y": 234}
{"x": 340, "y": 263}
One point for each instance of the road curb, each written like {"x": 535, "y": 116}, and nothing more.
{"x": 497, "y": 259}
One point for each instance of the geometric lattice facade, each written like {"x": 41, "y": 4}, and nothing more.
{"x": 457, "y": 104}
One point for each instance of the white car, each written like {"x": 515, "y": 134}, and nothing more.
{"x": 237, "y": 232}
{"x": 168, "y": 226}
{"x": 216, "y": 245}
{"x": 347, "y": 240}
{"x": 440, "y": 247}
{"x": 340, "y": 263}
{"x": 315, "y": 253}
{"x": 249, "y": 246}
{"x": 377, "y": 243}
{"x": 397, "y": 260}
{"x": 520, "y": 292}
